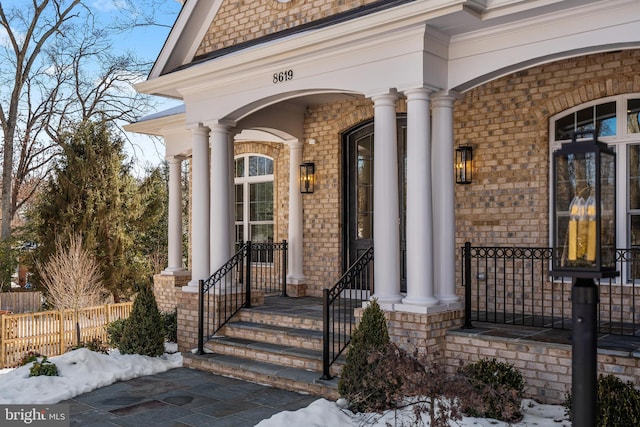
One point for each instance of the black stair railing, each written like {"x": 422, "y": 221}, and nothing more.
{"x": 257, "y": 266}
{"x": 512, "y": 285}
{"x": 339, "y": 302}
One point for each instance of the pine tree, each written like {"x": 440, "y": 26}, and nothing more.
{"x": 361, "y": 382}
{"x": 93, "y": 193}
{"x": 143, "y": 332}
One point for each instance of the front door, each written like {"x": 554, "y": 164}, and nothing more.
{"x": 358, "y": 179}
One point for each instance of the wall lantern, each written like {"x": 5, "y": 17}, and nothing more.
{"x": 584, "y": 210}
{"x": 307, "y": 177}
{"x": 584, "y": 218}
{"x": 464, "y": 164}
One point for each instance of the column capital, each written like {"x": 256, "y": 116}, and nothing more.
{"x": 388, "y": 98}
{"x": 222, "y": 124}
{"x": 295, "y": 144}
{"x": 445, "y": 98}
{"x": 198, "y": 129}
{"x": 420, "y": 92}
{"x": 175, "y": 158}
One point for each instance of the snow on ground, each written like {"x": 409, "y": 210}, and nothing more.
{"x": 81, "y": 371}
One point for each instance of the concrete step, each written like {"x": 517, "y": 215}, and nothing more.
{"x": 258, "y": 315}
{"x": 293, "y": 357}
{"x": 274, "y": 334}
{"x": 287, "y": 378}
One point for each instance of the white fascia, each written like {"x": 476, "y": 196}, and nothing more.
{"x": 370, "y": 30}
{"x": 482, "y": 55}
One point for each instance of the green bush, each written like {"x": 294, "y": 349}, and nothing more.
{"x": 43, "y": 367}
{"x": 364, "y": 382}
{"x": 31, "y": 356}
{"x": 143, "y": 332}
{"x": 95, "y": 344}
{"x": 170, "y": 323}
{"x": 498, "y": 387}
{"x": 618, "y": 403}
{"x": 115, "y": 330}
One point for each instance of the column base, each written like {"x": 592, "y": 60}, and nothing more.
{"x": 423, "y": 302}
{"x": 175, "y": 272}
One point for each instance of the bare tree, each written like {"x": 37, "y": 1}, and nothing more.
{"x": 58, "y": 68}
{"x": 72, "y": 277}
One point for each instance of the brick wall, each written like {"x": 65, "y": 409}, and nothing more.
{"x": 166, "y": 289}
{"x": 546, "y": 367}
{"x": 239, "y": 21}
{"x": 507, "y": 123}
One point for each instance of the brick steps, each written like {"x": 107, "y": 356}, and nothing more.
{"x": 271, "y": 346}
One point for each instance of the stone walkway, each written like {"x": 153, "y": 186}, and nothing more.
{"x": 182, "y": 397}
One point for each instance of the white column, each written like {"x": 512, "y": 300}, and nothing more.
{"x": 200, "y": 205}
{"x": 295, "y": 257}
{"x": 444, "y": 224}
{"x": 419, "y": 219}
{"x": 386, "y": 218}
{"x": 221, "y": 233}
{"x": 174, "y": 256}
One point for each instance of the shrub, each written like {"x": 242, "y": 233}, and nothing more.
{"x": 31, "y": 356}
{"x": 115, "y": 330}
{"x": 498, "y": 387}
{"x": 43, "y": 367}
{"x": 618, "y": 403}
{"x": 143, "y": 332}
{"x": 170, "y": 323}
{"x": 363, "y": 382}
{"x": 95, "y": 344}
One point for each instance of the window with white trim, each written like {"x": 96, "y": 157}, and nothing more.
{"x": 616, "y": 122}
{"x": 253, "y": 180}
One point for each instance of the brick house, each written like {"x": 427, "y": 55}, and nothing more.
{"x": 270, "y": 85}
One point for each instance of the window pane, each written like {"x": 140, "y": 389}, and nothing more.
{"x": 261, "y": 202}
{"x": 259, "y": 166}
{"x": 364, "y": 202}
{"x": 584, "y": 121}
{"x": 606, "y": 119}
{"x": 633, "y": 116}
{"x": 239, "y": 202}
{"x": 239, "y": 169}
{"x": 634, "y": 176}
{"x": 239, "y": 235}
{"x": 564, "y": 127}
{"x": 262, "y": 233}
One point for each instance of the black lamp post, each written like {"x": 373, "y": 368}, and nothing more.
{"x": 584, "y": 218}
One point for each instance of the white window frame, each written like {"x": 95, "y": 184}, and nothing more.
{"x": 619, "y": 143}
{"x": 245, "y": 181}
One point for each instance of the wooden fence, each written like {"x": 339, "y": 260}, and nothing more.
{"x": 51, "y": 333}
{"x": 21, "y": 302}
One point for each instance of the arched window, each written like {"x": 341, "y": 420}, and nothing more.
{"x": 616, "y": 121}
{"x": 253, "y": 198}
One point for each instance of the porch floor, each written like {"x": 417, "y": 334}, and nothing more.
{"x": 311, "y": 307}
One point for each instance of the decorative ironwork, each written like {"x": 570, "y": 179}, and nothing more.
{"x": 354, "y": 287}
{"x": 511, "y": 285}
{"x": 259, "y": 266}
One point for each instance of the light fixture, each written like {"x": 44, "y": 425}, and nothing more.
{"x": 307, "y": 177}
{"x": 464, "y": 164}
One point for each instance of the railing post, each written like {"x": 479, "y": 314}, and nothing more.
{"x": 200, "y": 316}
{"x": 326, "y": 375}
{"x": 467, "y": 286}
{"x": 284, "y": 268}
{"x": 248, "y": 276}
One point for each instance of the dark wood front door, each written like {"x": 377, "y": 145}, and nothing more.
{"x": 358, "y": 203}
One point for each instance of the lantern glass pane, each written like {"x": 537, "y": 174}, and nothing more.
{"x": 608, "y": 211}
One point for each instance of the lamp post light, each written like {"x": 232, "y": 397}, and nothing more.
{"x": 584, "y": 218}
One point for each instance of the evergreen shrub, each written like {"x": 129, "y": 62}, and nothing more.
{"x": 43, "y": 367}
{"x": 363, "y": 382}
{"x": 143, "y": 332}
{"x": 170, "y": 324}
{"x": 498, "y": 389}
{"x": 115, "y": 330}
{"x": 618, "y": 403}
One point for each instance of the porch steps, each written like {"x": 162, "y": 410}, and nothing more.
{"x": 272, "y": 345}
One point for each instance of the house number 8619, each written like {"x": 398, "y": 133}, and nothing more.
{"x": 282, "y": 76}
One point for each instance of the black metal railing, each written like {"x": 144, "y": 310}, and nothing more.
{"x": 339, "y": 303}
{"x": 512, "y": 285}
{"x": 255, "y": 266}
